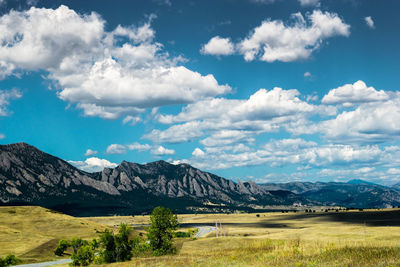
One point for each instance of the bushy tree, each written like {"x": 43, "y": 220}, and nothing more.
{"x": 9, "y": 260}
{"x": 84, "y": 256}
{"x": 161, "y": 231}
{"x": 117, "y": 247}
{"x": 76, "y": 243}
{"x": 95, "y": 243}
{"x": 123, "y": 246}
{"x": 62, "y": 246}
{"x": 107, "y": 254}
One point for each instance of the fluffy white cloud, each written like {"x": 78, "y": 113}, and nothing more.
{"x": 218, "y": 46}
{"x": 313, "y": 3}
{"x": 370, "y": 23}
{"x": 291, "y": 152}
{"x": 5, "y": 97}
{"x": 107, "y": 74}
{"x": 277, "y": 41}
{"x": 350, "y": 94}
{"x": 161, "y": 151}
{"x": 374, "y": 122}
{"x": 93, "y": 164}
{"x": 116, "y": 149}
{"x": 232, "y": 120}
{"x": 198, "y": 152}
{"x": 307, "y": 74}
{"x": 139, "y": 147}
{"x": 90, "y": 152}
{"x": 226, "y": 137}
{"x": 2, "y": 136}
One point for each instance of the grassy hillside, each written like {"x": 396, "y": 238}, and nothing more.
{"x": 32, "y": 233}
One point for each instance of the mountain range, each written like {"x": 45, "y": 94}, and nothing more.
{"x": 30, "y": 176}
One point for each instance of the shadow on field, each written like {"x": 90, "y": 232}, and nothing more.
{"x": 265, "y": 224}
{"x": 370, "y": 218}
{"x": 45, "y": 249}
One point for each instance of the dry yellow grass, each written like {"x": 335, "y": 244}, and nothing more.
{"x": 32, "y": 233}
{"x": 270, "y": 239}
{"x": 276, "y": 239}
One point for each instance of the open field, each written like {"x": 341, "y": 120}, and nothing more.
{"x": 367, "y": 238}
{"x": 32, "y": 233}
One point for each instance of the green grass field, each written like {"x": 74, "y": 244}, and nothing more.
{"x": 367, "y": 238}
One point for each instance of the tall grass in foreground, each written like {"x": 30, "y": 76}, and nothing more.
{"x": 267, "y": 252}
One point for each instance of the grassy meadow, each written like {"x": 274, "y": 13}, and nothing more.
{"x": 356, "y": 238}
{"x": 32, "y": 233}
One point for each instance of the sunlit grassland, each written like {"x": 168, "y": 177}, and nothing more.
{"x": 241, "y": 251}
{"x": 264, "y": 239}
{"x": 276, "y": 239}
{"x": 32, "y": 233}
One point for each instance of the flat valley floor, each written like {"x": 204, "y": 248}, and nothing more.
{"x": 344, "y": 238}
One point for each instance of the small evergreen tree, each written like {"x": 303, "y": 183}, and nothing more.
{"x": 161, "y": 231}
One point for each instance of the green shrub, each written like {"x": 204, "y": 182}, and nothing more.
{"x": 61, "y": 247}
{"x": 141, "y": 249}
{"x": 181, "y": 234}
{"x": 76, "y": 243}
{"x": 84, "y": 256}
{"x": 9, "y": 260}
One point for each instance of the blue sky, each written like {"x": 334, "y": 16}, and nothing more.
{"x": 263, "y": 90}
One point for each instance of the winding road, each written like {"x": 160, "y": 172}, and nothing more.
{"x": 203, "y": 230}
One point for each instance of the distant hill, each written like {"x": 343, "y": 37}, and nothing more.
{"x": 31, "y": 176}
{"x": 355, "y": 193}
{"x": 359, "y": 181}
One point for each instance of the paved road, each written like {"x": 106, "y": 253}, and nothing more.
{"x": 48, "y": 263}
{"x": 203, "y": 230}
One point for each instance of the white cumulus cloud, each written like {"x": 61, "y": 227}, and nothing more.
{"x": 107, "y": 74}
{"x": 161, "y": 151}
{"x": 116, "y": 149}
{"x": 139, "y": 147}
{"x": 90, "y": 152}
{"x": 275, "y": 40}
{"x": 371, "y": 122}
{"x": 198, "y": 152}
{"x": 232, "y": 120}
{"x": 356, "y": 93}
{"x": 93, "y": 164}
{"x": 218, "y": 46}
